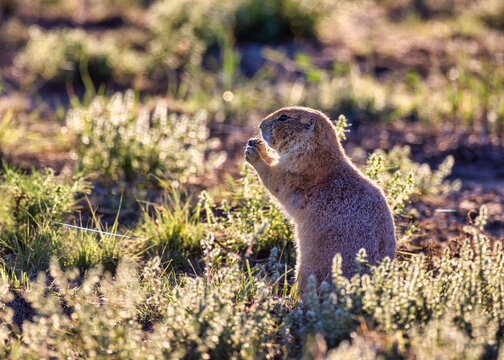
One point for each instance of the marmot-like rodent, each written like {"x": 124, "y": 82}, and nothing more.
{"x": 335, "y": 208}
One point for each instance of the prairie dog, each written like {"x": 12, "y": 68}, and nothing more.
{"x": 335, "y": 208}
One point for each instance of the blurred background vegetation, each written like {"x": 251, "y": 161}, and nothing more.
{"x": 438, "y": 64}
{"x": 131, "y": 116}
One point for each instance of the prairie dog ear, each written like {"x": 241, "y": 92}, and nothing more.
{"x": 309, "y": 123}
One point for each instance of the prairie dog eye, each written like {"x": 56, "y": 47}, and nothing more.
{"x": 283, "y": 117}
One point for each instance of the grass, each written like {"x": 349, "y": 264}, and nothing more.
{"x": 206, "y": 272}
{"x": 199, "y": 280}
{"x": 232, "y": 310}
{"x": 67, "y": 56}
{"x": 171, "y": 230}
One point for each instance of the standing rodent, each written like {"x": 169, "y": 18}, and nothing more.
{"x": 336, "y": 209}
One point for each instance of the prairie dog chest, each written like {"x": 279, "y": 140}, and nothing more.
{"x": 300, "y": 203}
{"x": 295, "y": 202}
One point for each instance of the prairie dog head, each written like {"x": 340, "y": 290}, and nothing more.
{"x": 293, "y": 128}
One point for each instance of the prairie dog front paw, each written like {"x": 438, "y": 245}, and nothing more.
{"x": 253, "y": 150}
{"x": 259, "y": 144}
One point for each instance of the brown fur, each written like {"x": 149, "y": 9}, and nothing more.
{"x": 336, "y": 209}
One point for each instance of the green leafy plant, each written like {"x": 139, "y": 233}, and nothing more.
{"x": 401, "y": 308}
{"x": 37, "y": 198}
{"x": 31, "y": 208}
{"x": 401, "y": 177}
{"x": 70, "y": 55}
{"x": 183, "y": 31}
{"x": 407, "y": 297}
{"x": 251, "y": 223}
{"x": 273, "y": 21}
{"x": 227, "y": 315}
{"x": 117, "y": 143}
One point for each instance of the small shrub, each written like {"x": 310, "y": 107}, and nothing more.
{"x": 29, "y": 200}
{"x": 31, "y": 207}
{"x": 185, "y": 30}
{"x": 228, "y": 315}
{"x": 250, "y": 224}
{"x": 400, "y": 177}
{"x": 67, "y": 55}
{"x": 274, "y": 21}
{"x": 406, "y": 296}
{"x": 115, "y": 142}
